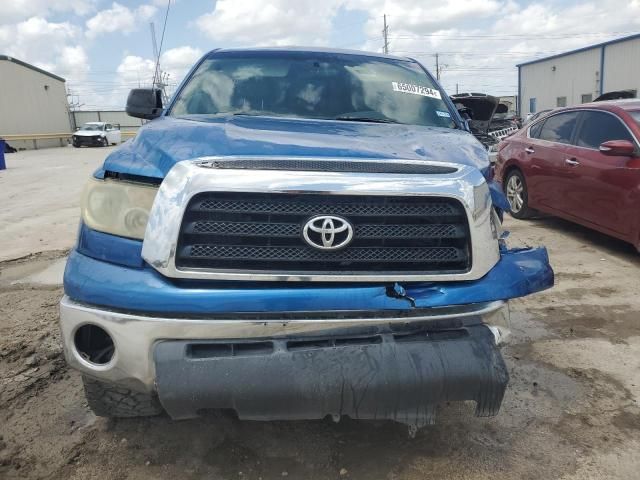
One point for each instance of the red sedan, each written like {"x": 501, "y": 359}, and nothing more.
{"x": 579, "y": 163}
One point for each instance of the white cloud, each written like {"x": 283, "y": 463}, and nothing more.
{"x": 118, "y": 18}
{"x": 135, "y": 71}
{"x": 17, "y": 10}
{"x": 49, "y": 45}
{"x": 176, "y": 62}
{"x": 274, "y": 22}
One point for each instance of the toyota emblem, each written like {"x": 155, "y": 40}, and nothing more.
{"x": 326, "y": 232}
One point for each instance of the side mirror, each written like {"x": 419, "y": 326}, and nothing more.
{"x": 618, "y": 148}
{"x": 144, "y": 103}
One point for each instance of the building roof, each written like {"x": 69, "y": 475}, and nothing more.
{"x": 31, "y": 67}
{"x": 583, "y": 49}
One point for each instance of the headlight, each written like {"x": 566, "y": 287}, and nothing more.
{"x": 117, "y": 207}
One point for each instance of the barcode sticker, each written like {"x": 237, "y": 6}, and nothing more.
{"x": 415, "y": 90}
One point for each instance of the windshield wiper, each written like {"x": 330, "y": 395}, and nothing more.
{"x": 348, "y": 118}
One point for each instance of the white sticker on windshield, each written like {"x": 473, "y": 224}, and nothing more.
{"x": 443, "y": 114}
{"x": 415, "y": 90}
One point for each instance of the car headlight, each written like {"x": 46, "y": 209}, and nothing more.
{"x": 117, "y": 207}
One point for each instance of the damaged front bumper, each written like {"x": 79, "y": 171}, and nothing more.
{"x": 368, "y": 351}
{"x": 397, "y": 365}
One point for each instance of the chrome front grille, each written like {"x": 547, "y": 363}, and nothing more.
{"x": 262, "y": 232}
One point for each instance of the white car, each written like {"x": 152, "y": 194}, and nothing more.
{"x": 97, "y": 133}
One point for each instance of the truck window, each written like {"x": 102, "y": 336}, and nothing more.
{"x": 336, "y": 87}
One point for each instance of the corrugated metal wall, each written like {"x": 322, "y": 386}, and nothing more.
{"x": 30, "y": 103}
{"x": 622, "y": 66}
{"x": 571, "y": 76}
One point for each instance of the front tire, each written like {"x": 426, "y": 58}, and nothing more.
{"x": 109, "y": 400}
{"x": 515, "y": 189}
{"x": 105, "y": 142}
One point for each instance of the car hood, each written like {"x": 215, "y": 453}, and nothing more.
{"x": 163, "y": 142}
{"x": 88, "y": 133}
{"x": 483, "y": 107}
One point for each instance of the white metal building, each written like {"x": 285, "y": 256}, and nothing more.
{"x": 32, "y": 102}
{"x": 579, "y": 76}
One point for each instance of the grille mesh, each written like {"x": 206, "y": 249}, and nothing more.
{"x": 262, "y": 233}
{"x": 430, "y": 210}
{"x": 305, "y": 254}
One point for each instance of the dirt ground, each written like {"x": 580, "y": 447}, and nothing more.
{"x": 571, "y": 410}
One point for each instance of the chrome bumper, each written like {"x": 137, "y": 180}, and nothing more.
{"x": 135, "y": 335}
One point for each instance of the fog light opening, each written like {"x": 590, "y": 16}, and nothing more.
{"x": 94, "y": 344}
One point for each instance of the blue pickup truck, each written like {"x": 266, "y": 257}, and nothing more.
{"x": 298, "y": 234}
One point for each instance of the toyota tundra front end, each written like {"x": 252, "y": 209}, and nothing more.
{"x": 298, "y": 234}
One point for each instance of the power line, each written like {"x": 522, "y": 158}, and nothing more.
{"x": 157, "y": 74}
{"x": 507, "y": 36}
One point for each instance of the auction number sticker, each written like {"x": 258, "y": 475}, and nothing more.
{"x": 415, "y": 90}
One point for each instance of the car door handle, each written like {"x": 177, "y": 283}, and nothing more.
{"x": 529, "y": 150}
{"x": 571, "y": 161}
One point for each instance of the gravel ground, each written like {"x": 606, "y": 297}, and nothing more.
{"x": 571, "y": 410}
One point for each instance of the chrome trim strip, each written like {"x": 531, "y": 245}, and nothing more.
{"x": 209, "y": 161}
{"x": 134, "y": 335}
{"x": 188, "y": 178}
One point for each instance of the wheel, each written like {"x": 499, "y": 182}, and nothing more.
{"x": 105, "y": 142}
{"x": 515, "y": 188}
{"x": 76, "y": 145}
{"x": 109, "y": 400}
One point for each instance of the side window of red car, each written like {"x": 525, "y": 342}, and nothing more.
{"x": 534, "y": 131}
{"x": 559, "y": 128}
{"x": 599, "y": 127}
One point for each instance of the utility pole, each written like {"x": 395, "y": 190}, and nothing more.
{"x": 437, "y": 68}
{"x": 456, "y": 88}
{"x": 385, "y": 36}
{"x": 158, "y": 74}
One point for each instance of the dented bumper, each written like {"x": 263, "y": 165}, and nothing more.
{"x": 385, "y": 351}
{"x": 90, "y": 281}
{"x": 397, "y": 375}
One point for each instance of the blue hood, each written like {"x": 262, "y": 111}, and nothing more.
{"x": 167, "y": 140}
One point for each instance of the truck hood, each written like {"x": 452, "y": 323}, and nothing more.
{"x": 163, "y": 142}
{"x": 483, "y": 107}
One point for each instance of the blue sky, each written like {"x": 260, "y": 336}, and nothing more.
{"x": 103, "y": 48}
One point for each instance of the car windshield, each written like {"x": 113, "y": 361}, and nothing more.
{"x": 636, "y": 116}
{"x": 91, "y": 126}
{"x": 317, "y": 86}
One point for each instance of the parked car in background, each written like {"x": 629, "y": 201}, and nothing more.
{"x": 616, "y": 95}
{"x": 487, "y": 119}
{"x": 97, "y": 134}
{"x": 580, "y": 163}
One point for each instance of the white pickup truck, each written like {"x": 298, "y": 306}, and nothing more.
{"x": 97, "y": 133}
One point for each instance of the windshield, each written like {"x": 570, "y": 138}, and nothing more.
{"x": 319, "y": 86}
{"x": 636, "y": 116}
{"x": 91, "y": 126}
